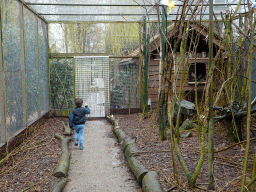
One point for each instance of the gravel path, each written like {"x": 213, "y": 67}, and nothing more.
{"x": 101, "y": 165}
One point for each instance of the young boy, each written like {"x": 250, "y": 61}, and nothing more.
{"x": 77, "y": 118}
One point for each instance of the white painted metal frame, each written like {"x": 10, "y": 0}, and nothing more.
{"x": 92, "y": 83}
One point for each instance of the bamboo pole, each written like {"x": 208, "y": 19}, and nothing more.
{"x": 210, "y": 117}
{"x": 253, "y": 174}
{"x": 249, "y": 89}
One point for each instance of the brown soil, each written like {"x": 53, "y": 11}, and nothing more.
{"x": 227, "y": 164}
{"x": 31, "y": 168}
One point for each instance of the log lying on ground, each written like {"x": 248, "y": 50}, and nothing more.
{"x": 120, "y": 134}
{"x": 146, "y": 179}
{"x": 113, "y": 120}
{"x": 57, "y": 187}
{"x": 150, "y": 183}
{"x": 62, "y": 168}
{"x": 138, "y": 170}
{"x": 131, "y": 150}
{"x": 67, "y": 130}
{"x": 127, "y": 141}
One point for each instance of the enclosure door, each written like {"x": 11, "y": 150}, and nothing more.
{"x": 92, "y": 84}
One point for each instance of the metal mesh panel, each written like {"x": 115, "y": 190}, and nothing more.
{"x": 92, "y": 83}
{"x": 100, "y": 2}
{"x": 124, "y": 83}
{"x": 53, "y": 9}
{"x": 98, "y": 18}
{"x": 122, "y": 38}
{"x": 43, "y": 60}
{"x": 32, "y": 67}
{"x": 14, "y": 66}
{"x": 116, "y": 39}
{"x": 123, "y": 10}
{"x": 77, "y": 38}
{"x": 62, "y": 83}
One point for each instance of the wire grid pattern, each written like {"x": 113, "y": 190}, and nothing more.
{"x": 62, "y": 83}
{"x": 124, "y": 83}
{"x": 118, "y": 39}
{"x": 130, "y": 10}
{"x": 14, "y": 67}
{"x": 32, "y": 66}
{"x": 43, "y": 60}
{"x": 121, "y": 38}
{"x": 92, "y": 84}
{"x": 20, "y": 71}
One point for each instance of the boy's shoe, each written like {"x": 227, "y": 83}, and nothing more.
{"x": 76, "y": 143}
{"x": 81, "y": 147}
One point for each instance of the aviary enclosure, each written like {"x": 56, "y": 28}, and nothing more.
{"x": 183, "y": 64}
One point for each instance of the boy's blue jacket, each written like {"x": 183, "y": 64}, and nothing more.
{"x": 77, "y": 116}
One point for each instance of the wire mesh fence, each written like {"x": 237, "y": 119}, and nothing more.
{"x": 24, "y": 69}
{"x": 116, "y": 39}
{"x": 62, "y": 84}
{"x": 124, "y": 83}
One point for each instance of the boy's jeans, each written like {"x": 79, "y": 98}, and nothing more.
{"x": 79, "y": 133}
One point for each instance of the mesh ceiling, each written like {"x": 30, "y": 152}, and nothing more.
{"x": 127, "y": 10}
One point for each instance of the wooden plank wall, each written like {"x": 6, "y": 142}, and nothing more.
{"x": 153, "y": 85}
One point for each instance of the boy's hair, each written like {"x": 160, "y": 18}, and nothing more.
{"x": 79, "y": 102}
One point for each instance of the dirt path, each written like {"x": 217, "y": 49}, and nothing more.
{"x": 100, "y": 166}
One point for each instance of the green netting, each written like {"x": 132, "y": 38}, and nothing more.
{"x": 124, "y": 83}
{"x": 32, "y": 66}
{"x": 62, "y": 83}
{"x": 43, "y": 61}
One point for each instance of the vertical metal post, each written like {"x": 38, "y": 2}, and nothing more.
{"x": 49, "y": 70}
{"x": 5, "y": 131}
{"x": 39, "y": 68}
{"x": 25, "y": 66}
{"x": 74, "y": 78}
{"x": 146, "y": 63}
{"x": 210, "y": 118}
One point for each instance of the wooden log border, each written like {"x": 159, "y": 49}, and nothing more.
{"x": 147, "y": 179}
{"x": 58, "y": 186}
{"x": 67, "y": 130}
{"x": 62, "y": 168}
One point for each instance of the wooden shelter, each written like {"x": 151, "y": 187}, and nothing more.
{"x": 197, "y": 62}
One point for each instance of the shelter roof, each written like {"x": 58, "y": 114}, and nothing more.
{"x": 154, "y": 42}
